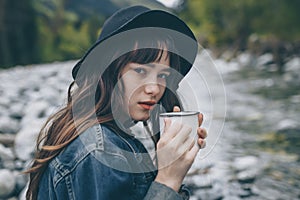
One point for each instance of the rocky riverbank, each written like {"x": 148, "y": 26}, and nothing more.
{"x": 247, "y": 162}
{"x": 28, "y": 96}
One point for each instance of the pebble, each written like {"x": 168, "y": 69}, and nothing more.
{"x": 25, "y": 141}
{"x": 7, "y": 183}
{"x": 6, "y": 153}
{"x": 247, "y": 176}
{"x": 245, "y": 163}
{"x": 287, "y": 124}
{"x": 8, "y": 125}
{"x": 7, "y": 139}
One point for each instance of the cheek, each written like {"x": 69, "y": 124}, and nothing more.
{"x": 162, "y": 89}
{"x": 131, "y": 93}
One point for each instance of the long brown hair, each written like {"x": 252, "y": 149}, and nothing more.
{"x": 60, "y": 129}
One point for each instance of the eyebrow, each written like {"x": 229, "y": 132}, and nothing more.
{"x": 167, "y": 69}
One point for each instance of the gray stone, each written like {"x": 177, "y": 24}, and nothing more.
{"x": 244, "y": 59}
{"x": 7, "y": 139}
{"x": 8, "y": 125}
{"x": 21, "y": 180}
{"x": 26, "y": 139}
{"x": 36, "y": 109}
{"x": 246, "y": 162}
{"x": 247, "y": 176}
{"x": 7, "y": 182}
{"x": 293, "y": 65}
{"x": 16, "y": 110}
{"x": 287, "y": 124}
{"x": 264, "y": 59}
{"x": 6, "y": 153}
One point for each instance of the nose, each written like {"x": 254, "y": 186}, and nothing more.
{"x": 152, "y": 88}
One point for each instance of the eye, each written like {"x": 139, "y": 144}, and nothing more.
{"x": 163, "y": 76}
{"x": 140, "y": 70}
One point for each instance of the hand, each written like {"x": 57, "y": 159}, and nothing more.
{"x": 176, "y": 152}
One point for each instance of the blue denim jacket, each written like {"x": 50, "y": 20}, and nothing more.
{"x": 100, "y": 164}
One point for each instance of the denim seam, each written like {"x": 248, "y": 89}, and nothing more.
{"x": 99, "y": 134}
{"x": 69, "y": 187}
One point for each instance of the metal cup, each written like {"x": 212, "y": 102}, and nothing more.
{"x": 189, "y": 118}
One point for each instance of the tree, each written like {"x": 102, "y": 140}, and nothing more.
{"x": 230, "y": 23}
{"x": 18, "y": 32}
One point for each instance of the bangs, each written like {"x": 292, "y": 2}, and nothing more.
{"x": 153, "y": 54}
{"x": 148, "y": 55}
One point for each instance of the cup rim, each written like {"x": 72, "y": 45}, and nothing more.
{"x": 178, "y": 114}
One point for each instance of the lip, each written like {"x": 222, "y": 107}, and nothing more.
{"x": 147, "y": 105}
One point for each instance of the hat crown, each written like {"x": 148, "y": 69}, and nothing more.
{"x": 142, "y": 17}
{"x": 119, "y": 19}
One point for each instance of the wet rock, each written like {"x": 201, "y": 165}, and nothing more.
{"x": 214, "y": 193}
{"x": 8, "y": 125}
{"x": 7, "y": 157}
{"x": 21, "y": 181}
{"x": 247, "y": 176}
{"x": 200, "y": 182}
{"x": 293, "y": 65}
{"x": 4, "y": 101}
{"x": 287, "y": 124}
{"x": 245, "y": 59}
{"x": 26, "y": 139}
{"x": 7, "y": 139}
{"x": 264, "y": 59}
{"x": 35, "y": 110}
{"x": 17, "y": 110}
{"x": 6, "y": 153}
{"x": 7, "y": 183}
{"x": 295, "y": 99}
{"x": 50, "y": 95}
{"x": 244, "y": 163}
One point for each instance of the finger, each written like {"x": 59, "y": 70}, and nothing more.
{"x": 185, "y": 146}
{"x": 176, "y": 109}
{"x": 167, "y": 122}
{"x": 201, "y": 143}
{"x": 200, "y": 118}
{"x": 192, "y": 153}
{"x": 171, "y": 129}
{"x": 182, "y": 136}
{"x": 202, "y": 133}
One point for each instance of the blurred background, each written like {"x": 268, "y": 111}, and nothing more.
{"x": 254, "y": 46}
{"x": 38, "y": 31}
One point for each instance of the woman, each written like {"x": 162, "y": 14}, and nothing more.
{"x": 87, "y": 150}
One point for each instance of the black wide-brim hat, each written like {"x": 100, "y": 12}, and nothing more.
{"x": 134, "y": 17}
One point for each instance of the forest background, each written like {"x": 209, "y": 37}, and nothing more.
{"x": 39, "y": 31}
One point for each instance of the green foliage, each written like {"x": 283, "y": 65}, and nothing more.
{"x": 62, "y": 35}
{"x": 231, "y": 22}
{"x": 70, "y": 41}
{"x": 73, "y": 42}
{"x": 46, "y": 30}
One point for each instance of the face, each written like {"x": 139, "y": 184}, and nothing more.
{"x": 143, "y": 86}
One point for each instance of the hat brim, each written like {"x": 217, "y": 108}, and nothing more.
{"x": 186, "y": 45}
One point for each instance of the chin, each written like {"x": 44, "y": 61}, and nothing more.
{"x": 141, "y": 116}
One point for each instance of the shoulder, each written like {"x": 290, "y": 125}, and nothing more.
{"x": 97, "y": 143}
